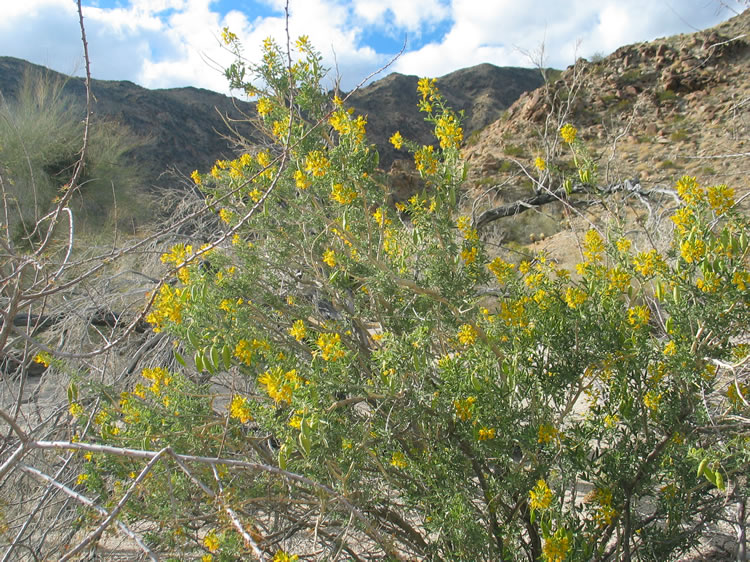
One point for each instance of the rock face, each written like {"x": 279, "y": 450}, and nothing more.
{"x": 654, "y": 110}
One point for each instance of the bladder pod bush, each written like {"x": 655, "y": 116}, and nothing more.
{"x": 373, "y": 383}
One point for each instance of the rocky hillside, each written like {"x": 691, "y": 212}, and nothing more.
{"x": 648, "y": 113}
{"x": 185, "y": 127}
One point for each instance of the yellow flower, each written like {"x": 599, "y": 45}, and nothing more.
{"x": 540, "y": 163}
{"x": 244, "y": 352}
{"x": 692, "y": 251}
{"x": 682, "y": 219}
{"x": 670, "y": 348}
{"x": 298, "y": 330}
{"x": 469, "y": 255}
{"x": 593, "y": 246}
{"x": 380, "y": 217}
{"x": 196, "y": 177}
{"x": 556, "y": 548}
{"x": 239, "y": 409}
{"x": 574, "y": 297}
{"x": 398, "y": 460}
{"x": 568, "y": 133}
{"x": 547, "y": 433}
{"x": 464, "y": 408}
{"x": 316, "y": 163}
{"x": 75, "y": 409}
{"x": 82, "y": 478}
{"x": 227, "y": 36}
{"x": 343, "y": 195}
{"x": 648, "y": 263}
{"x": 486, "y": 433}
{"x": 501, "y": 269}
{"x": 467, "y": 335}
{"x": 330, "y": 347}
{"x": 427, "y": 87}
{"x": 329, "y": 257}
{"x": 282, "y": 556}
{"x": 264, "y": 106}
{"x": 425, "y": 160}
{"x": 300, "y": 179}
{"x": 623, "y": 245}
{"x": 448, "y": 132}
{"x": 688, "y": 189}
{"x": 540, "y": 497}
{"x": 211, "y": 541}
{"x": 43, "y": 358}
{"x": 397, "y": 140}
{"x": 720, "y": 198}
{"x": 638, "y": 316}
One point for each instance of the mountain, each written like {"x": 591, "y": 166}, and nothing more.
{"x": 482, "y": 92}
{"x": 648, "y": 113}
{"x": 185, "y": 128}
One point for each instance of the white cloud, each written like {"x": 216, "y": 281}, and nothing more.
{"x": 168, "y": 43}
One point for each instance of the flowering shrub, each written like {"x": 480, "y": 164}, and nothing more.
{"x": 460, "y": 405}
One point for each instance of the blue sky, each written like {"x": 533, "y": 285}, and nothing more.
{"x": 170, "y": 43}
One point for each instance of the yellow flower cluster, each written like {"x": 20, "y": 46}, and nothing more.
{"x": 604, "y": 513}
{"x": 279, "y": 384}
{"x": 298, "y": 330}
{"x": 593, "y": 246}
{"x": 487, "y": 433}
{"x": 683, "y": 219}
{"x": 720, "y": 198}
{"x": 425, "y": 160}
{"x": 574, "y": 297}
{"x": 178, "y": 255}
{"x": 689, "y": 191}
{"x": 619, "y": 279}
{"x": 329, "y": 257}
{"x": 316, "y": 163}
{"x": 397, "y": 140}
{"x": 692, "y": 250}
{"x": 211, "y": 541}
{"x": 467, "y": 334}
{"x": 264, "y": 106}
{"x": 300, "y": 180}
{"x": 469, "y": 255}
{"x": 464, "y": 225}
{"x": 239, "y": 409}
{"x": 568, "y": 133}
{"x": 159, "y": 377}
{"x": 380, "y": 217}
{"x": 344, "y": 125}
{"x": 540, "y": 496}
{"x": 547, "y": 433}
{"x": 648, "y": 263}
{"x": 638, "y": 316}
{"x": 501, "y": 269}
{"x": 448, "y": 132}
{"x": 43, "y": 358}
{"x": 464, "y": 407}
{"x": 330, "y": 347}
{"x": 167, "y": 307}
{"x": 343, "y": 195}
{"x": 556, "y": 548}
{"x": 398, "y": 460}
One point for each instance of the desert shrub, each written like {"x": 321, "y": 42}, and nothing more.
{"x": 40, "y": 142}
{"x": 361, "y": 377}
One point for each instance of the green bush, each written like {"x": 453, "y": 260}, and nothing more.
{"x": 373, "y": 383}
{"x": 40, "y": 141}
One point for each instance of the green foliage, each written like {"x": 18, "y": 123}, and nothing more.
{"x": 40, "y": 141}
{"x": 456, "y": 400}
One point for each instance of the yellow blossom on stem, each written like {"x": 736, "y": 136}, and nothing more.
{"x": 568, "y": 133}
{"x": 330, "y": 347}
{"x": 329, "y": 257}
{"x": 239, "y": 409}
{"x": 467, "y": 335}
{"x": 556, "y": 548}
{"x": 638, "y": 316}
{"x": 574, "y": 297}
{"x": 264, "y": 106}
{"x": 300, "y": 180}
{"x": 398, "y": 460}
{"x": 298, "y": 330}
{"x": 464, "y": 408}
{"x": 397, "y": 140}
{"x": 540, "y": 163}
{"x": 501, "y": 269}
{"x": 540, "y": 497}
{"x": 211, "y": 541}
{"x": 487, "y": 433}
{"x": 547, "y": 433}
{"x": 720, "y": 198}
{"x": 316, "y": 163}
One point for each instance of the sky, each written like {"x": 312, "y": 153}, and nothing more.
{"x": 173, "y": 43}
